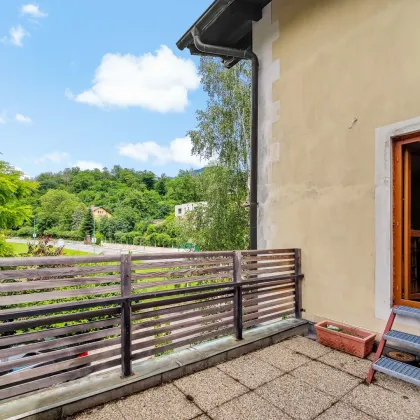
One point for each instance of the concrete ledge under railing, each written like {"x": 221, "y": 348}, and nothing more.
{"x": 72, "y": 397}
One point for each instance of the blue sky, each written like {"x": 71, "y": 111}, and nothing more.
{"x": 97, "y": 83}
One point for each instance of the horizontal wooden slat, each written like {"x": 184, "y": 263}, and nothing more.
{"x": 265, "y": 298}
{"x": 261, "y": 271}
{"x": 181, "y": 343}
{"x": 60, "y": 307}
{"x": 22, "y": 286}
{"x": 57, "y": 332}
{"x": 55, "y": 355}
{"x": 290, "y": 263}
{"x": 272, "y": 280}
{"x": 31, "y": 323}
{"x": 182, "y": 263}
{"x": 192, "y": 271}
{"x": 57, "y": 295}
{"x": 36, "y": 384}
{"x": 197, "y": 315}
{"x": 180, "y": 326}
{"x": 269, "y": 258}
{"x": 58, "y": 271}
{"x": 21, "y": 262}
{"x": 268, "y": 252}
{"x": 60, "y": 342}
{"x": 269, "y": 289}
{"x": 219, "y": 302}
{"x": 268, "y": 304}
{"x": 186, "y": 333}
{"x": 181, "y": 280}
{"x": 262, "y": 313}
{"x": 56, "y": 367}
{"x": 181, "y": 255}
{"x": 275, "y": 317}
{"x": 182, "y": 299}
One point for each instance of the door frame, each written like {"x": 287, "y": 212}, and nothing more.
{"x": 383, "y": 213}
{"x": 401, "y": 218}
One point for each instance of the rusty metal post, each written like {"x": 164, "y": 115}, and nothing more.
{"x": 237, "y": 297}
{"x": 298, "y": 284}
{"x": 126, "y": 316}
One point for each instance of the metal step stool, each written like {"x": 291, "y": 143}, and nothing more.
{"x": 392, "y": 367}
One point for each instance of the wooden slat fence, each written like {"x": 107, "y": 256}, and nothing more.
{"x": 62, "y": 318}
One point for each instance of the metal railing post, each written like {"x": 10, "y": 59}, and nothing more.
{"x": 126, "y": 316}
{"x": 237, "y": 297}
{"x": 298, "y": 284}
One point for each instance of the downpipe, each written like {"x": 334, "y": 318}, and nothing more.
{"x": 219, "y": 51}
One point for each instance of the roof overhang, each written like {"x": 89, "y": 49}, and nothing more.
{"x": 226, "y": 23}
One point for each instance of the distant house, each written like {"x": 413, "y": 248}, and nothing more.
{"x": 100, "y": 212}
{"x": 182, "y": 209}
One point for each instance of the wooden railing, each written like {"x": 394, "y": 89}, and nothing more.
{"x": 72, "y": 316}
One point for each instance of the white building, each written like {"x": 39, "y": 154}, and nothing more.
{"x": 182, "y": 209}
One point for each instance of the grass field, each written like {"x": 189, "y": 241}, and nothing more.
{"x": 21, "y": 248}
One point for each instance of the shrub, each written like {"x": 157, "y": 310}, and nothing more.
{"x": 25, "y": 231}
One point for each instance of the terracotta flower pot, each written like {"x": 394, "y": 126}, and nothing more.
{"x": 351, "y": 340}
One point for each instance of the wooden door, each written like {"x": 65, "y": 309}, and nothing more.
{"x": 406, "y": 244}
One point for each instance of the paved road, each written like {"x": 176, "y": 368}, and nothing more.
{"x": 108, "y": 248}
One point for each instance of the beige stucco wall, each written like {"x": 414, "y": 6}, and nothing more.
{"x": 339, "y": 60}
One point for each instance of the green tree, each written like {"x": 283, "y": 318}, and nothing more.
{"x": 56, "y": 210}
{"x": 224, "y": 127}
{"x": 78, "y": 216}
{"x": 14, "y": 190}
{"x": 223, "y": 223}
{"x": 223, "y": 135}
{"x": 87, "y": 225}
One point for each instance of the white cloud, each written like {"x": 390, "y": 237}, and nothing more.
{"x": 54, "y": 157}
{"x": 88, "y": 165}
{"x": 3, "y": 117}
{"x": 178, "y": 151}
{"x": 17, "y": 33}
{"x": 22, "y": 119}
{"x": 157, "y": 82}
{"x": 33, "y": 10}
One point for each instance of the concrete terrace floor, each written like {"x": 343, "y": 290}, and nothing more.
{"x": 295, "y": 379}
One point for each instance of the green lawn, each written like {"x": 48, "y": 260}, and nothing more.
{"x": 21, "y": 248}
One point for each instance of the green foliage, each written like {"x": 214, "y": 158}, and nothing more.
{"x": 14, "y": 189}
{"x": 224, "y": 127}
{"x": 88, "y": 223}
{"x": 222, "y": 134}
{"x": 6, "y": 250}
{"x": 25, "y": 231}
{"x": 43, "y": 248}
{"x": 224, "y": 222}
{"x": 56, "y": 210}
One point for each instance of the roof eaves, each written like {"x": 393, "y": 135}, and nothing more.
{"x": 209, "y": 16}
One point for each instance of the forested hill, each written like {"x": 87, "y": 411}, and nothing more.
{"x": 135, "y": 199}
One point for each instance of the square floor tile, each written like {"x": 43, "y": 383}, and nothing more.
{"x": 326, "y": 378}
{"x": 281, "y": 356}
{"x": 108, "y": 411}
{"x": 398, "y": 386}
{"x": 383, "y": 404}
{"x": 249, "y": 406}
{"x": 163, "y": 402}
{"x": 341, "y": 411}
{"x": 210, "y": 388}
{"x": 295, "y": 397}
{"x": 250, "y": 370}
{"x": 306, "y": 346}
{"x": 350, "y": 364}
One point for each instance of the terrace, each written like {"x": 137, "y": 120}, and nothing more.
{"x": 214, "y": 333}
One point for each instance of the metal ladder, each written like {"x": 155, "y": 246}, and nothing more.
{"x": 389, "y": 366}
